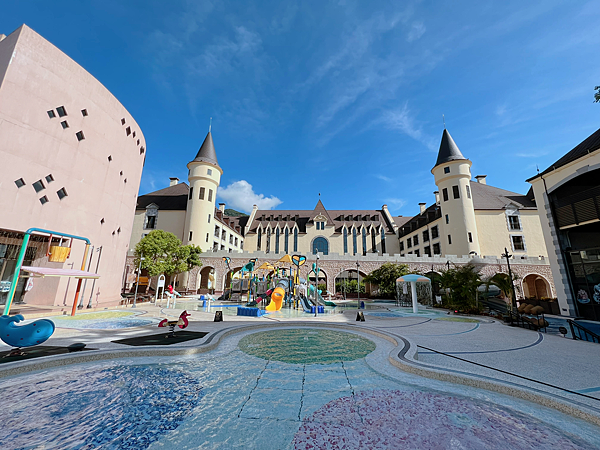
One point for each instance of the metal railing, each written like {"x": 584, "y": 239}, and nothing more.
{"x": 579, "y": 332}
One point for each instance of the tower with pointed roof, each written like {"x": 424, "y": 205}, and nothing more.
{"x": 452, "y": 172}
{"x": 204, "y": 178}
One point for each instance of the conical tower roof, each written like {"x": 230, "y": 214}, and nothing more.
{"x": 207, "y": 152}
{"x": 448, "y": 150}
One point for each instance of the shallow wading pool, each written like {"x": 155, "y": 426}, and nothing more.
{"x": 287, "y": 388}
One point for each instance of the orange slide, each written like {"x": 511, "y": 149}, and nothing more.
{"x": 276, "y": 299}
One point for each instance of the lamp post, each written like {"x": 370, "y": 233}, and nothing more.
{"x": 358, "y": 285}
{"x": 512, "y": 284}
{"x": 317, "y": 285}
{"x": 137, "y": 281}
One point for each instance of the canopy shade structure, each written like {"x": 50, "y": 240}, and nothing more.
{"x": 266, "y": 266}
{"x": 413, "y": 277}
{"x": 285, "y": 259}
{"x": 42, "y": 272}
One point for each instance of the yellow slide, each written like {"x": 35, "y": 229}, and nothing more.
{"x": 276, "y": 299}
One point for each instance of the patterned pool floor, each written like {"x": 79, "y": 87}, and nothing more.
{"x": 229, "y": 399}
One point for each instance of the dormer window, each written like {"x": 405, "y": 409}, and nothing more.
{"x": 151, "y": 217}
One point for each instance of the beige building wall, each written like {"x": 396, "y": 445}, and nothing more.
{"x": 494, "y": 233}
{"x": 422, "y": 244}
{"x": 100, "y": 173}
{"x": 170, "y": 221}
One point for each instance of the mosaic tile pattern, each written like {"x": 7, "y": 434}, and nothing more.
{"x": 122, "y": 407}
{"x": 306, "y": 346}
{"x": 393, "y": 419}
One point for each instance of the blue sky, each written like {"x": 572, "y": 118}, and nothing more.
{"x": 342, "y": 98}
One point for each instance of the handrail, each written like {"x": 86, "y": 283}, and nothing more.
{"x": 574, "y": 325}
{"x": 21, "y": 258}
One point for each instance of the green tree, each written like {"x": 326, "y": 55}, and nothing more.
{"x": 462, "y": 281}
{"x": 385, "y": 277}
{"x": 597, "y": 94}
{"x": 164, "y": 253}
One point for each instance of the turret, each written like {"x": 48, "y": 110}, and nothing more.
{"x": 204, "y": 177}
{"x": 452, "y": 172}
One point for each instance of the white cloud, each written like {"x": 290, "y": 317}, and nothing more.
{"x": 240, "y": 195}
{"x": 402, "y": 120}
{"x": 383, "y": 178}
{"x": 394, "y": 204}
{"x": 417, "y": 30}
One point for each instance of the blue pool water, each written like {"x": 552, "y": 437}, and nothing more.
{"x": 246, "y": 395}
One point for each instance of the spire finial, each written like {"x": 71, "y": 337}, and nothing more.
{"x": 210, "y": 125}
{"x": 444, "y": 120}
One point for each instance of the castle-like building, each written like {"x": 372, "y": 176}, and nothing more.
{"x": 468, "y": 218}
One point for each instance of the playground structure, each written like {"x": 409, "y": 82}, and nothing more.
{"x": 40, "y": 330}
{"x": 181, "y": 322}
{"x": 56, "y": 253}
{"x": 276, "y": 287}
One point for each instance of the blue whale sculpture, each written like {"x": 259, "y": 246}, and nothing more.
{"x": 33, "y": 333}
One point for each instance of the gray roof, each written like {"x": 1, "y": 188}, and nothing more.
{"x": 448, "y": 150}
{"x": 207, "y": 151}
{"x": 173, "y": 198}
{"x": 589, "y": 145}
{"x": 490, "y": 197}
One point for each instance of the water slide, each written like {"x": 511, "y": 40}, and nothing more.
{"x": 320, "y": 300}
{"x": 306, "y": 304}
{"x": 276, "y": 299}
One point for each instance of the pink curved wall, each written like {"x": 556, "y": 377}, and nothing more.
{"x": 36, "y": 77}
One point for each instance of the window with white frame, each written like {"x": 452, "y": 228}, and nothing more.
{"x": 513, "y": 218}
{"x": 518, "y": 243}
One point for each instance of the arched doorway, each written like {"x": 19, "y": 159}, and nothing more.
{"x": 234, "y": 270}
{"x": 535, "y": 286}
{"x": 346, "y": 284}
{"x": 207, "y": 280}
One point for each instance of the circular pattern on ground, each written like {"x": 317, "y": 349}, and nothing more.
{"x": 122, "y": 407}
{"x": 385, "y": 419}
{"x": 306, "y": 346}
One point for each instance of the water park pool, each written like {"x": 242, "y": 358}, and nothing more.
{"x": 285, "y": 388}
{"x": 104, "y": 320}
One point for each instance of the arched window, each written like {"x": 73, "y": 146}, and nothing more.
{"x": 354, "y": 243}
{"x": 268, "y": 240}
{"x": 285, "y": 242}
{"x": 383, "y": 249}
{"x": 364, "y": 241}
{"x": 320, "y": 245}
{"x": 277, "y": 240}
{"x": 345, "y": 240}
{"x": 259, "y": 240}
{"x": 373, "y": 242}
{"x": 295, "y": 239}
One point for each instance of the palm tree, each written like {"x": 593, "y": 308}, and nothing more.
{"x": 503, "y": 282}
